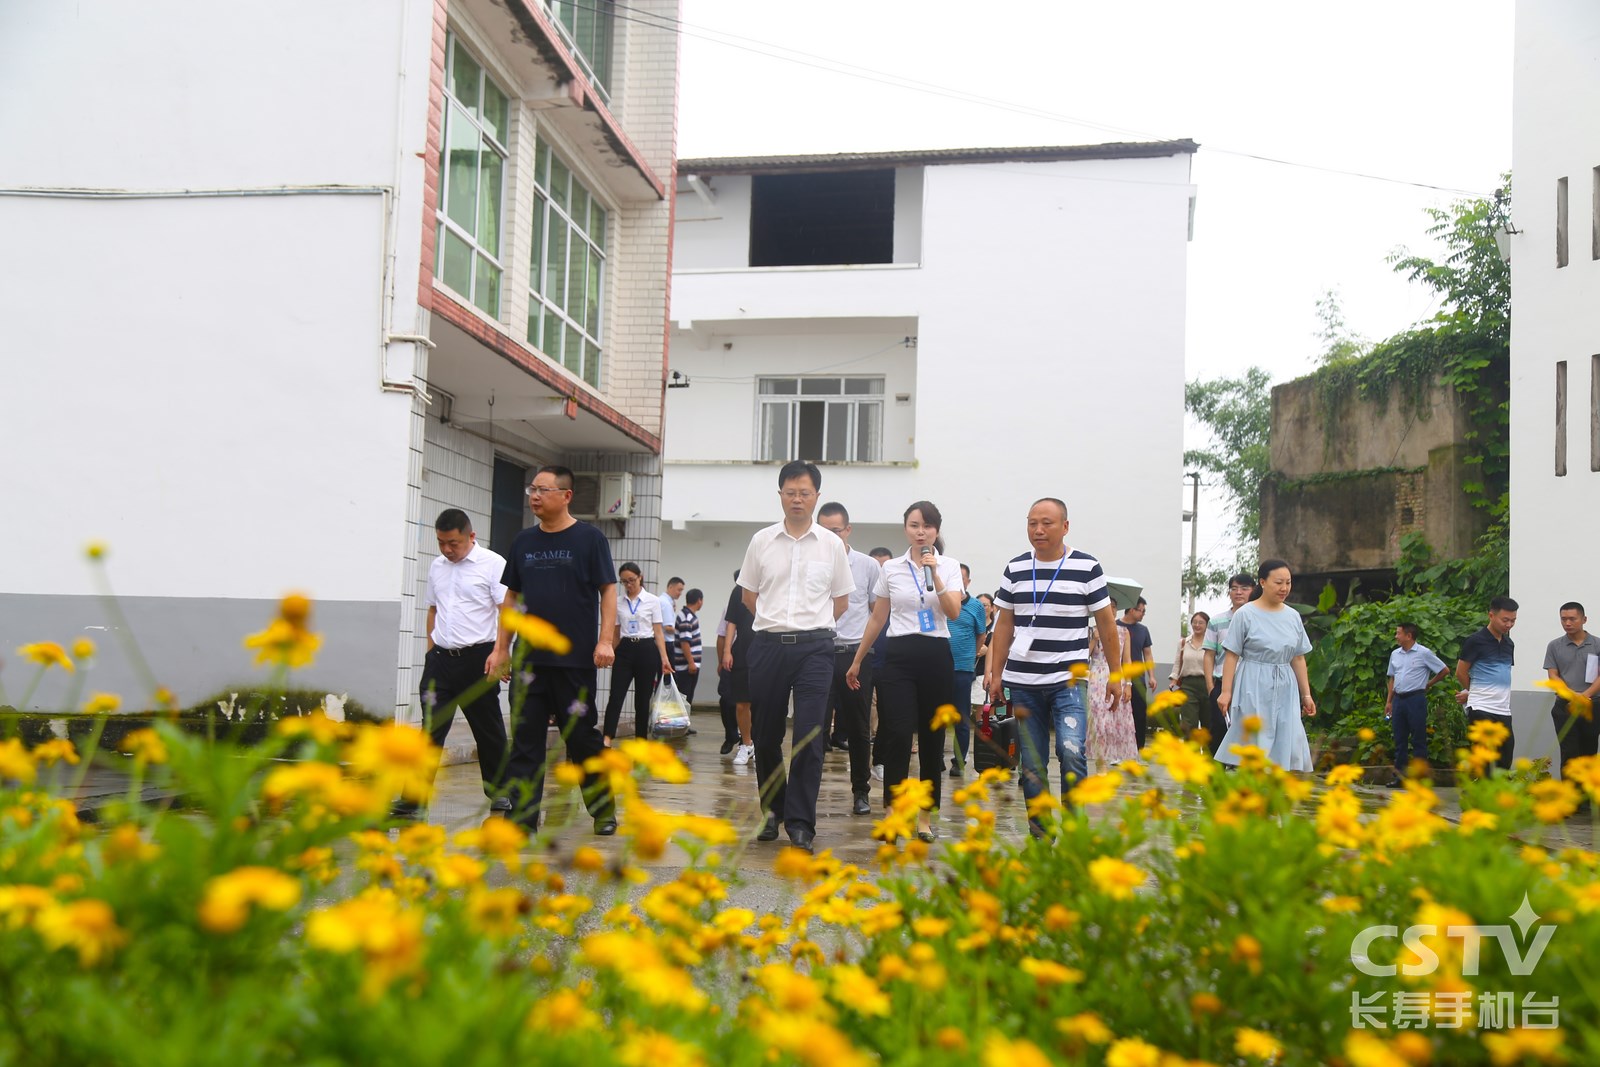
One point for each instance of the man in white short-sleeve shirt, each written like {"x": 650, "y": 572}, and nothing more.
{"x": 463, "y": 597}
{"x": 851, "y": 709}
{"x": 796, "y": 581}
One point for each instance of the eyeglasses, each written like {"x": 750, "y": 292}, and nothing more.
{"x": 803, "y": 494}
{"x": 536, "y": 490}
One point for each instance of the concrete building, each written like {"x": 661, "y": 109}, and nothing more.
{"x": 295, "y": 281}
{"x": 1555, "y": 333}
{"x": 978, "y": 328}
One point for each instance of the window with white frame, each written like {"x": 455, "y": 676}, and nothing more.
{"x": 834, "y": 420}
{"x": 567, "y": 267}
{"x": 472, "y": 163}
{"x": 588, "y": 25}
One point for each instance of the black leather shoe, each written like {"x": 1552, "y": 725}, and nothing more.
{"x": 802, "y": 839}
{"x": 404, "y": 812}
{"x": 729, "y": 745}
{"x": 605, "y": 827}
{"x": 769, "y": 832}
{"x": 841, "y": 743}
{"x": 861, "y": 806}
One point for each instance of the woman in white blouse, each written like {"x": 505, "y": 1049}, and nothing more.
{"x": 641, "y": 647}
{"x": 918, "y": 593}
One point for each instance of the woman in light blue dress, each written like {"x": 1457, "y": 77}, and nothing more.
{"x": 1264, "y": 675}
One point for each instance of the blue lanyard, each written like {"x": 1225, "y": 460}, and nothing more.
{"x": 1038, "y": 597}
{"x": 633, "y": 605}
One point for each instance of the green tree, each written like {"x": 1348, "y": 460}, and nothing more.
{"x": 1339, "y": 341}
{"x": 1237, "y": 412}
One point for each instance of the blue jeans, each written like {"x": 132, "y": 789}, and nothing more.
{"x": 962, "y": 699}
{"x": 1410, "y": 720}
{"x": 1037, "y": 710}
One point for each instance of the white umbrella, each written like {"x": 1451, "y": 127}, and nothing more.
{"x": 1124, "y": 592}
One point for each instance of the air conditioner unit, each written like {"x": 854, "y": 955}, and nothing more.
{"x": 602, "y": 496}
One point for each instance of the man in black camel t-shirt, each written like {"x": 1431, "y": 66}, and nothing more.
{"x": 560, "y": 570}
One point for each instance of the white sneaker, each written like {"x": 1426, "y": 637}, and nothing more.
{"x": 877, "y": 772}
{"x": 743, "y": 755}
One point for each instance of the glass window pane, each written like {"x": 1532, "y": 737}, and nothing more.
{"x": 535, "y": 260}
{"x": 576, "y": 284}
{"x": 862, "y": 386}
{"x": 533, "y": 325}
{"x": 541, "y": 164}
{"x": 820, "y": 386}
{"x": 464, "y": 75}
{"x": 867, "y": 432}
{"x": 597, "y": 224}
{"x": 779, "y": 386}
{"x": 591, "y": 319}
{"x": 774, "y": 443}
{"x": 496, "y": 112}
{"x": 486, "y": 291}
{"x": 555, "y": 271}
{"x": 580, "y": 205}
{"x": 558, "y": 182}
{"x": 838, "y": 438}
{"x": 808, "y": 435}
{"x": 551, "y": 345}
{"x": 572, "y": 354}
{"x": 591, "y": 364}
{"x": 489, "y": 192}
{"x": 461, "y": 169}
{"x": 455, "y": 261}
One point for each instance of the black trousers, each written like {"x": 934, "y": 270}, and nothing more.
{"x": 1141, "y": 720}
{"x": 727, "y": 706}
{"x": 563, "y": 697}
{"x": 1507, "y": 749}
{"x": 1215, "y": 723}
{"x": 777, "y": 671}
{"x": 918, "y": 673}
{"x": 852, "y": 716}
{"x": 638, "y": 664}
{"x": 1583, "y": 739}
{"x": 447, "y": 675}
{"x": 686, "y": 680}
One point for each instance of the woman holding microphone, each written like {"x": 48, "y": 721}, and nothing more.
{"x": 918, "y": 593}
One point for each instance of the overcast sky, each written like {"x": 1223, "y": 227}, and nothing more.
{"x": 1407, "y": 90}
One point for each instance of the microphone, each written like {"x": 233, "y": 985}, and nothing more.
{"x": 927, "y": 570}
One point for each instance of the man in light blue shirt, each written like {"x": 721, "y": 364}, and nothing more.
{"x": 1413, "y": 669}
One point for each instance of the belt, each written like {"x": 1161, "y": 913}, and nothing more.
{"x": 1410, "y": 693}
{"x": 841, "y": 646}
{"x": 464, "y": 651}
{"x": 650, "y": 639}
{"x": 795, "y": 637}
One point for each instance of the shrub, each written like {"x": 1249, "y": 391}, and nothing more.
{"x": 32, "y": 729}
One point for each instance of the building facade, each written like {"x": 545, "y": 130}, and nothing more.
{"x": 978, "y": 328}
{"x": 291, "y": 285}
{"x": 1555, "y": 335}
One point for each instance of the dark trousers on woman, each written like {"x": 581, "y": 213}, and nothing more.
{"x": 638, "y": 663}
{"x": 1216, "y": 724}
{"x": 917, "y": 675}
{"x": 961, "y": 698}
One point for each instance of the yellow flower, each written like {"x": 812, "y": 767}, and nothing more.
{"x": 950, "y": 1039}
{"x": 562, "y": 1012}
{"x": 567, "y": 774}
{"x": 1256, "y": 1044}
{"x": 1096, "y": 789}
{"x": 789, "y": 989}
{"x": 400, "y": 759}
{"x": 1049, "y": 972}
{"x": 535, "y": 632}
{"x": 854, "y": 989}
{"x": 1345, "y": 774}
{"x": 1247, "y": 950}
{"x": 1364, "y": 1049}
{"x": 20, "y": 905}
{"x": 317, "y": 726}
{"x": 1184, "y": 760}
{"x": 16, "y": 762}
{"x": 375, "y": 925}
{"x": 1577, "y": 703}
{"x": 145, "y": 746}
{"x": 88, "y": 926}
{"x": 102, "y": 704}
{"x": 1251, "y": 757}
{"x": 1488, "y": 733}
{"x": 1517, "y": 1046}
{"x": 1251, "y": 725}
{"x": 1058, "y": 918}
{"x": 164, "y": 698}
{"x": 1203, "y": 1003}
{"x": 1043, "y": 805}
{"x": 57, "y": 749}
{"x": 284, "y": 644}
{"x": 1554, "y": 799}
{"x": 1000, "y": 1052}
{"x": 1474, "y": 819}
{"x": 83, "y": 648}
{"x": 1131, "y": 1052}
{"x": 1086, "y": 1026}
{"x": 95, "y": 550}
{"x": 1341, "y": 905}
{"x": 1367, "y": 733}
{"x": 47, "y": 654}
{"x": 498, "y": 912}
{"x": 1116, "y": 878}
{"x": 946, "y": 715}
{"x": 650, "y": 1048}
{"x": 226, "y": 902}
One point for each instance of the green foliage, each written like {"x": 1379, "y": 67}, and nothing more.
{"x": 1480, "y": 577}
{"x": 252, "y": 698}
{"x": 1347, "y": 667}
{"x": 242, "y": 716}
{"x": 1339, "y": 342}
{"x": 1238, "y": 414}
{"x": 32, "y": 729}
{"x": 1447, "y": 728}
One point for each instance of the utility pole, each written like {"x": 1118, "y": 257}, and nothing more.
{"x": 1194, "y": 537}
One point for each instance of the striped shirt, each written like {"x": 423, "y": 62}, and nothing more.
{"x": 1053, "y": 610}
{"x": 687, "y": 629}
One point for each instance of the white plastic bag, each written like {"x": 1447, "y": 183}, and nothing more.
{"x": 669, "y": 712}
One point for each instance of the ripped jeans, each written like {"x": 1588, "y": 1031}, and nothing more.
{"x": 1037, "y": 710}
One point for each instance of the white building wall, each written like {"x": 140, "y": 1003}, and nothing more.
{"x": 1048, "y": 309}
{"x": 1555, "y": 318}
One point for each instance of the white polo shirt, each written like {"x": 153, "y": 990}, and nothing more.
{"x": 795, "y": 578}
{"x": 864, "y": 572}
{"x": 900, "y": 579}
{"x": 466, "y": 597}
{"x": 640, "y": 616}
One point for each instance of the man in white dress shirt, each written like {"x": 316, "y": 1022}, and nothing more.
{"x": 796, "y": 582}
{"x": 464, "y": 596}
{"x": 851, "y": 708}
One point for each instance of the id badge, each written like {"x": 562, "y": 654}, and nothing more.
{"x": 633, "y": 628}
{"x": 1022, "y": 642}
{"x": 925, "y": 620}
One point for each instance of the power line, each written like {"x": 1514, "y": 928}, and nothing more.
{"x": 837, "y": 66}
